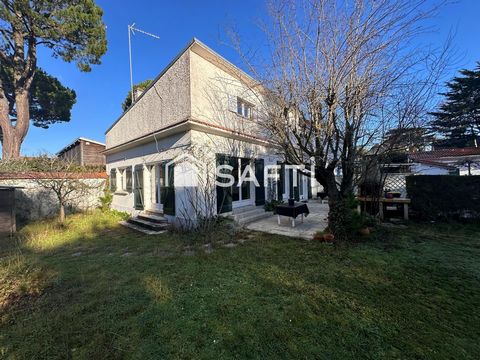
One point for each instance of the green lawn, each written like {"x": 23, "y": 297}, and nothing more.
{"x": 94, "y": 290}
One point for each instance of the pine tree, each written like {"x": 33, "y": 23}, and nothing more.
{"x": 73, "y": 30}
{"x": 458, "y": 118}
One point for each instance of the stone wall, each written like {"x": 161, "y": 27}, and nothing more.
{"x": 34, "y": 202}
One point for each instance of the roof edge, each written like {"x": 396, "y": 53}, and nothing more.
{"x": 170, "y": 64}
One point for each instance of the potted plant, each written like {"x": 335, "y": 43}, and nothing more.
{"x": 365, "y": 231}
{"x": 328, "y": 237}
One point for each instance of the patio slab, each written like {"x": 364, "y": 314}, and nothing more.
{"x": 315, "y": 221}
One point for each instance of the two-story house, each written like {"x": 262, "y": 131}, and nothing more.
{"x": 200, "y": 112}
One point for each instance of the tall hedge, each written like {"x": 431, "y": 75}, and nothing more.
{"x": 444, "y": 196}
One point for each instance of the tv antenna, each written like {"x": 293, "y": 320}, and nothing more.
{"x": 131, "y": 31}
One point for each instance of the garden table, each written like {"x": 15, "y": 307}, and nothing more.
{"x": 292, "y": 211}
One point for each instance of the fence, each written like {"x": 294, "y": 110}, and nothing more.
{"x": 444, "y": 196}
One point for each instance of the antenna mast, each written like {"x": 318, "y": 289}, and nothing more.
{"x": 131, "y": 31}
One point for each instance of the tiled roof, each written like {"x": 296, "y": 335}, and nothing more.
{"x": 435, "y": 163}
{"x": 437, "y": 154}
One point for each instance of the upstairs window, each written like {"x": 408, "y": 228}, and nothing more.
{"x": 244, "y": 108}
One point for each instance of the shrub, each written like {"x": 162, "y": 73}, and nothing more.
{"x": 272, "y": 205}
{"x": 444, "y": 196}
{"x": 106, "y": 199}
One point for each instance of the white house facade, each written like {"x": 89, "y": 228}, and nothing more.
{"x": 200, "y": 112}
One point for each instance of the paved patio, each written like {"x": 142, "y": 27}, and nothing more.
{"x": 315, "y": 221}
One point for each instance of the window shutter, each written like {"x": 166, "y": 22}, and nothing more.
{"x": 128, "y": 179}
{"x": 232, "y": 103}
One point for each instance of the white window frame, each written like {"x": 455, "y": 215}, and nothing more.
{"x": 244, "y": 108}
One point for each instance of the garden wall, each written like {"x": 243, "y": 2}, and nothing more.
{"x": 444, "y": 196}
{"x": 34, "y": 202}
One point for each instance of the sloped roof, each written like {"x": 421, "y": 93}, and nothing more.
{"x": 443, "y": 153}
{"x": 435, "y": 163}
{"x": 207, "y": 53}
{"x": 76, "y": 141}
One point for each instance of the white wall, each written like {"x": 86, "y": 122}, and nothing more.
{"x": 168, "y": 102}
{"x": 213, "y": 97}
{"x": 147, "y": 154}
{"x": 421, "y": 169}
{"x": 33, "y": 202}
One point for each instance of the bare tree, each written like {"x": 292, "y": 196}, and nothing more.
{"x": 339, "y": 75}
{"x": 65, "y": 179}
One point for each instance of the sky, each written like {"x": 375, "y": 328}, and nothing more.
{"x": 101, "y": 92}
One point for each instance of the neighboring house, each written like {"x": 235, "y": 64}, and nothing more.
{"x": 200, "y": 112}
{"x": 462, "y": 161}
{"x": 84, "y": 152}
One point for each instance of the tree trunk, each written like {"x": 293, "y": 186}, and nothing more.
{"x": 340, "y": 214}
{"x": 10, "y": 144}
{"x": 61, "y": 213}
{"x": 13, "y": 136}
{"x": 339, "y": 218}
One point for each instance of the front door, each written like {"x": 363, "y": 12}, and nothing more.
{"x": 138, "y": 188}
{"x": 244, "y": 194}
{"x": 157, "y": 183}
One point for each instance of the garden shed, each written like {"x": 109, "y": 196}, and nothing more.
{"x": 7, "y": 210}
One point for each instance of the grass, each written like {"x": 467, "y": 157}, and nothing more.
{"x": 92, "y": 290}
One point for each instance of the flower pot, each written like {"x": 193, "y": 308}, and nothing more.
{"x": 291, "y": 202}
{"x": 318, "y": 237}
{"x": 328, "y": 237}
{"x": 364, "y": 231}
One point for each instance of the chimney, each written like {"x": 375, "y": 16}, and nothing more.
{"x": 137, "y": 93}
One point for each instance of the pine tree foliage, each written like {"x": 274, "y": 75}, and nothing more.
{"x": 458, "y": 118}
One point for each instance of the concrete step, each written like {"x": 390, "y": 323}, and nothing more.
{"x": 243, "y": 209}
{"x": 150, "y": 225}
{"x": 247, "y": 214}
{"x": 254, "y": 217}
{"x": 152, "y": 218}
{"x": 141, "y": 228}
{"x": 152, "y": 212}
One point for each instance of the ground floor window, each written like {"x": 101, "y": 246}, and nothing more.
{"x": 272, "y": 185}
{"x": 113, "y": 180}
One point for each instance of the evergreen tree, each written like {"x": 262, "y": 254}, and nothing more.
{"x": 73, "y": 30}
{"x": 137, "y": 90}
{"x": 458, "y": 118}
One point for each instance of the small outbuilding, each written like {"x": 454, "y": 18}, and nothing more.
{"x": 84, "y": 152}
{"x": 7, "y": 210}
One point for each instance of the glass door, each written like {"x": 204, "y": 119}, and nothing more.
{"x": 241, "y": 195}
{"x": 157, "y": 181}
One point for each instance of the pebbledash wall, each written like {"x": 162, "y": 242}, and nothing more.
{"x": 34, "y": 202}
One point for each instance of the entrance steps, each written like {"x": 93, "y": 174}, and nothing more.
{"x": 148, "y": 222}
{"x": 248, "y": 214}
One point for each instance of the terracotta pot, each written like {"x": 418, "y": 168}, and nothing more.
{"x": 328, "y": 237}
{"x": 364, "y": 231}
{"x": 318, "y": 237}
